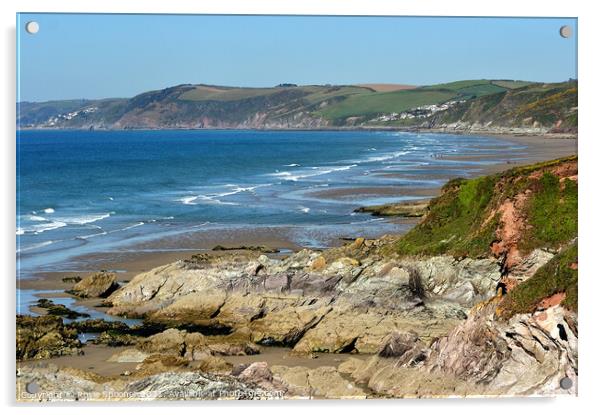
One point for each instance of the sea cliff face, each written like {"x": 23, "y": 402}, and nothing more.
{"x": 479, "y": 106}
{"x": 479, "y": 299}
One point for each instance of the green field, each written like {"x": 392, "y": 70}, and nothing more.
{"x": 458, "y": 85}
{"x": 480, "y": 87}
{"x": 209, "y": 93}
{"x": 320, "y": 93}
{"x": 385, "y": 102}
{"x": 511, "y": 84}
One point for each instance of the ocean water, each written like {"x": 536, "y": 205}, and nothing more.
{"x": 81, "y": 192}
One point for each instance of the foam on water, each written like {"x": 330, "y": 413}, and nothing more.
{"x": 314, "y": 171}
{"x": 174, "y": 182}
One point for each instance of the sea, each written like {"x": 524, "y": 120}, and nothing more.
{"x": 83, "y": 192}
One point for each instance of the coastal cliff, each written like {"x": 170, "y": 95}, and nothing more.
{"x": 480, "y": 298}
{"x": 481, "y": 106}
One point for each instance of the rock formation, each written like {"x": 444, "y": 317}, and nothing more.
{"x": 100, "y": 284}
{"x": 304, "y": 301}
{"x": 44, "y": 337}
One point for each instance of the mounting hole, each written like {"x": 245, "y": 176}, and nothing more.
{"x": 32, "y": 27}
{"x": 566, "y": 383}
{"x": 566, "y": 31}
{"x": 32, "y": 387}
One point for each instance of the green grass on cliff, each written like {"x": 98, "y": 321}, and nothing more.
{"x": 385, "y": 102}
{"x": 464, "y": 219}
{"x": 475, "y": 88}
{"x": 552, "y": 213}
{"x": 453, "y": 224}
{"x": 557, "y": 276}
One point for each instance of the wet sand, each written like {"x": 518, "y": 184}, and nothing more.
{"x": 538, "y": 149}
{"x": 95, "y": 359}
{"x": 144, "y": 257}
{"x": 281, "y": 356}
{"x": 391, "y": 191}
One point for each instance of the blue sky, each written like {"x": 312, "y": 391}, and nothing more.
{"x": 99, "y": 56}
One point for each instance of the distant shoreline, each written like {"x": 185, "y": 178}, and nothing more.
{"x": 494, "y": 133}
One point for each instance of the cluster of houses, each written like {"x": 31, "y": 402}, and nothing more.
{"x": 52, "y": 121}
{"x": 423, "y": 111}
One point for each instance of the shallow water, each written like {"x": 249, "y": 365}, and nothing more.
{"x": 26, "y": 299}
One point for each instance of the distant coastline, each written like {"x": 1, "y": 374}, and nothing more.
{"x": 494, "y": 132}
{"x": 474, "y": 106}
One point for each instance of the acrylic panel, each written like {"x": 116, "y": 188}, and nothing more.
{"x": 285, "y": 207}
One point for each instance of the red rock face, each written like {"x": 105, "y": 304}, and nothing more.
{"x": 512, "y": 218}
{"x": 551, "y": 301}
{"x": 511, "y": 228}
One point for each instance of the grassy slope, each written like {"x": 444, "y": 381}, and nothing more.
{"x": 385, "y": 102}
{"x": 320, "y": 94}
{"x": 453, "y": 222}
{"x": 208, "y": 93}
{"x": 474, "y": 88}
{"x": 508, "y": 84}
{"x": 545, "y": 104}
{"x": 464, "y": 219}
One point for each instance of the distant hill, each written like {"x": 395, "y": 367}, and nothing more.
{"x": 455, "y": 105}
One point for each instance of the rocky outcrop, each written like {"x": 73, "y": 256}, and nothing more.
{"x": 322, "y": 382}
{"x": 398, "y": 344}
{"x": 43, "y": 383}
{"x": 178, "y": 350}
{"x": 175, "y": 342}
{"x": 344, "y": 300}
{"x": 466, "y": 281}
{"x": 100, "y": 284}
{"x": 527, "y": 355}
{"x": 403, "y": 209}
{"x": 115, "y": 339}
{"x": 422, "y": 319}
{"x": 349, "y": 330}
{"x": 44, "y": 337}
{"x": 98, "y": 325}
{"x": 58, "y": 309}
